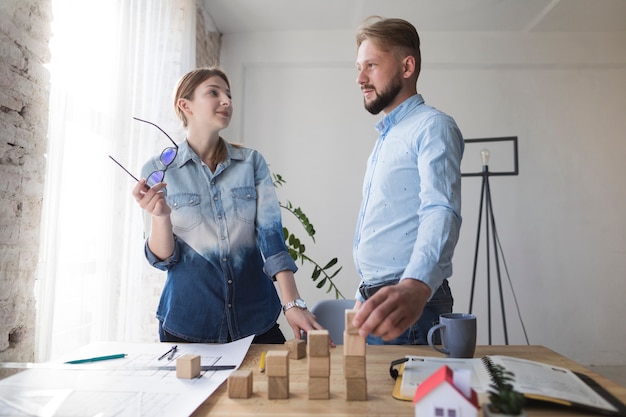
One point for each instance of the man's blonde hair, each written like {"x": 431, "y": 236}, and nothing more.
{"x": 396, "y": 35}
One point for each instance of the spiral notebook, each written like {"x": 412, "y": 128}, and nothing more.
{"x": 536, "y": 380}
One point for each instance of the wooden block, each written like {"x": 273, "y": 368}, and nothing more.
{"x": 351, "y": 328}
{"x": 356, "y": 389}
{"x": 188, "y": 366}
{"x": 319, "y": 366}
{"x": 353, "y": 345}
{"x": 354, "y": 367}
{"x": 240, "y": 384}
{"x": 319, "y": 388}
{"x": 277, "y": 387}
{"x": 277, "y": 363}
{"x": 297, "y": 348}
{"x": 317, "y": 343}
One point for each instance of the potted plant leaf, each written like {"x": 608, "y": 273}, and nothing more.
{"x": 321, "y": 275}
{"x": 504, "y": 400}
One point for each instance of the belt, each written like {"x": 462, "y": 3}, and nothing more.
{"x": 368, "y": 290}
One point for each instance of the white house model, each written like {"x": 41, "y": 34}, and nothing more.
{"x": 446, "y": 393}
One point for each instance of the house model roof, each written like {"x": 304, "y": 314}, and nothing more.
{"x": 443, "y": 375}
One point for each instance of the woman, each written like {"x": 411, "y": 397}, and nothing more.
{"x": 216, "y": 229}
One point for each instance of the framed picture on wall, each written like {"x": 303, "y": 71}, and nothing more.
{"x": 503, "y": 159}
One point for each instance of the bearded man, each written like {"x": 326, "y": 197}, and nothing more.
{"x": 409, "y": 220}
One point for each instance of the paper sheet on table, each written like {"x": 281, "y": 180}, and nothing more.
{"x": 120, "y": 392}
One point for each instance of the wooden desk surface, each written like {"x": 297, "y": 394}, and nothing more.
{"x": 379, "y": 385}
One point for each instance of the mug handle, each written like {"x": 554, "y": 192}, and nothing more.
{"x": 431, "y": 333}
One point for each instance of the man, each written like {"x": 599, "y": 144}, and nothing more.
{"x": 409, "y": 220}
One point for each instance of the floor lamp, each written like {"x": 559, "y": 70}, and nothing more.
{"x": 491, "y": 235}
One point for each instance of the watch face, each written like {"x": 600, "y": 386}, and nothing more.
{"x": 300, "y": 303}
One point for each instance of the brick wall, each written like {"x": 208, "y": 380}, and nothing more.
{"x": 24, "y": 91}
{"x": 208, "y": 43}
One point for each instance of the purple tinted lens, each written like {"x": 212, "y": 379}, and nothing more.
{"x": 155, "y": 178}
{"x": 168, "y": 155}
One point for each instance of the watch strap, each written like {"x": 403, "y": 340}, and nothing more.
{"x": 298, "y": 302}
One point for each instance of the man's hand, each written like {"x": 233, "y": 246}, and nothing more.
{"x": 393, "y": 309}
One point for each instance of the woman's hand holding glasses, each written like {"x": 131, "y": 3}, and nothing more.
{"x": 152, "y": 199}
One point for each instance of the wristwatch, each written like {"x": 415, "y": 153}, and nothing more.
{"x": 298, "y": 302}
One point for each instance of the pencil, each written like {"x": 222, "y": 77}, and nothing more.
{"x": 98, "y": 358}
{"x": 262, "y": 362}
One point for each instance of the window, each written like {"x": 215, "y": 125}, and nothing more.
{"x": 446, "y": 412}
{"x": 110, "y": 60}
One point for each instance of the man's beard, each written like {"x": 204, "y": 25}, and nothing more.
{"x": 385, "y": 97}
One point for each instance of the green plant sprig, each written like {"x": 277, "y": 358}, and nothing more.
{"x": 297, "y": 249}
{"x": 502, "y": 395}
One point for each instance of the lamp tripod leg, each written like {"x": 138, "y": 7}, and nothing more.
{"x": 494, "y": 235}
{"x": 480, "y": 216}
{"x": 490, "y": 240}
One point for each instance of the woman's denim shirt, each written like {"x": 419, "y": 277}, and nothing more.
{"x": 228, "y": 247}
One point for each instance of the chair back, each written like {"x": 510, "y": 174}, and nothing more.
{"x": 331, "y": 315}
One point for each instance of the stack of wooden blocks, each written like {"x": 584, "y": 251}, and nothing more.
{"x": 354, "y": 361}
{"x": 318, "y": 352}
{"x": 277, "y": 370}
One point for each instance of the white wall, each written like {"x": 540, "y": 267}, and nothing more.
{"x": 560, "y": 221}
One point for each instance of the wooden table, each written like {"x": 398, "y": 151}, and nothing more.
{"x": 379, "y": 384}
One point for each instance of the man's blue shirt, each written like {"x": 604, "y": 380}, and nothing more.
{"x": 228, "y": 247}
{"x": 410, "y": 215}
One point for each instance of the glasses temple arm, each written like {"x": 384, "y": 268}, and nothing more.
{"x": 122, "y": 166}
{"x": 153, "y": 124}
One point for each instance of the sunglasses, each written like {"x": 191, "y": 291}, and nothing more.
{"x": 167, "y": 157}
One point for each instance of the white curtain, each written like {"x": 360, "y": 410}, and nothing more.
{"x": 110, "y": 60}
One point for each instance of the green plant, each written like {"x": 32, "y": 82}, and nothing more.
{"x": 502, "y": 396}
{"x": 297, "y": 248}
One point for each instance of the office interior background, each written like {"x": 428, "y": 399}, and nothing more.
{"x": 552, "y": 73}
